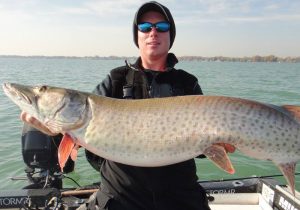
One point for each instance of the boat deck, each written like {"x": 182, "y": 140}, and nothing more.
{"x": 257, "y": 194}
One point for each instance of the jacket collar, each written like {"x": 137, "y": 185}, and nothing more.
{"x": 171, "y": 62}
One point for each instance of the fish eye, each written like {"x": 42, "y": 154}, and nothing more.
{"x": 42, "y": 88}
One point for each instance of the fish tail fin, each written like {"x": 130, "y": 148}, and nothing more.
{"x": 65, "y": 149}
{"x": 218, "y": 155}
{"x": 288, "y": 170}
{"x": 294, "y": 111}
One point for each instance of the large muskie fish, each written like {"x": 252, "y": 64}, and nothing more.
{"x": 163, "y": 131}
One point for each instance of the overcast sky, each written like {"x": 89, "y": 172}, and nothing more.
{"x": 104, "y": 27}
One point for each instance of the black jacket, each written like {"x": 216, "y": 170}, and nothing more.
{"x": 140, "y": 188}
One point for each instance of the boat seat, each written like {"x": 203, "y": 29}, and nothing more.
{"x": 235, "y": 207}
{"x": 238, "y": 201}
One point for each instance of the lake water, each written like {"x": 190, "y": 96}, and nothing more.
{"x": 277, "y": 83}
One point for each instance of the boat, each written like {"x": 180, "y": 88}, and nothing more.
{"x": 250, "y": 193}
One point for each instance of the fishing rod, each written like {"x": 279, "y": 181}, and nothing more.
{"x": 249, "y": 177}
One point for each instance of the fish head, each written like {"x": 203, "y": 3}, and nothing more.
{"x": 59, "y": 109}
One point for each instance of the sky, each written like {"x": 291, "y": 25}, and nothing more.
{"x": 232, "y": 28}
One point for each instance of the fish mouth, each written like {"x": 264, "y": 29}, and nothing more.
{"x": 14, "y": 93}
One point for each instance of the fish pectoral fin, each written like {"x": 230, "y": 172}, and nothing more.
{"x": 288, "y": 170}
{"x": 64, "y": 150}
{"x": 218, "y": 155}
{"x": 74, "y": 152}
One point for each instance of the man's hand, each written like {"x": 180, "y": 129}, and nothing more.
{"x": 36, "y": 124}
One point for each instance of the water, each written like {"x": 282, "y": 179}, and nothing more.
{"x": 277, "y": 83}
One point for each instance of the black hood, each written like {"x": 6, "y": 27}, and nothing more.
{"x": 157, "y": 7}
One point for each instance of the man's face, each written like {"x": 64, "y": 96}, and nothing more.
{"x": 153, "y": 43}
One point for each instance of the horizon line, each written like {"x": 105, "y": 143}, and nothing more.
{"x": 123, "y": 56}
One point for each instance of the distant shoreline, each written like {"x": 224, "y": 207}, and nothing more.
{"x": 257, "y": 58}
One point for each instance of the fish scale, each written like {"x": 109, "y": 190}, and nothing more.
{"x": 164, "y": 131}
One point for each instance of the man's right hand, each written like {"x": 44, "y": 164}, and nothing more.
{"x": 27, "y": 118}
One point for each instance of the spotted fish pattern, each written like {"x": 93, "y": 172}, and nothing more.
{"x": 164, "y": 131}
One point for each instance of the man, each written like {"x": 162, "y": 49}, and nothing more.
{"x": 125, "y": 187}
{"x": 153, "y": 75}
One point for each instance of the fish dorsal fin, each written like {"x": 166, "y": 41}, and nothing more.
{"x": 65, "y": 149}
{"x": 294, "y": 111}
{"x": 218, "y": 155}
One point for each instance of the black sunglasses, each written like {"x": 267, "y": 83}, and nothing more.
{"x": 162, "y": 26}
